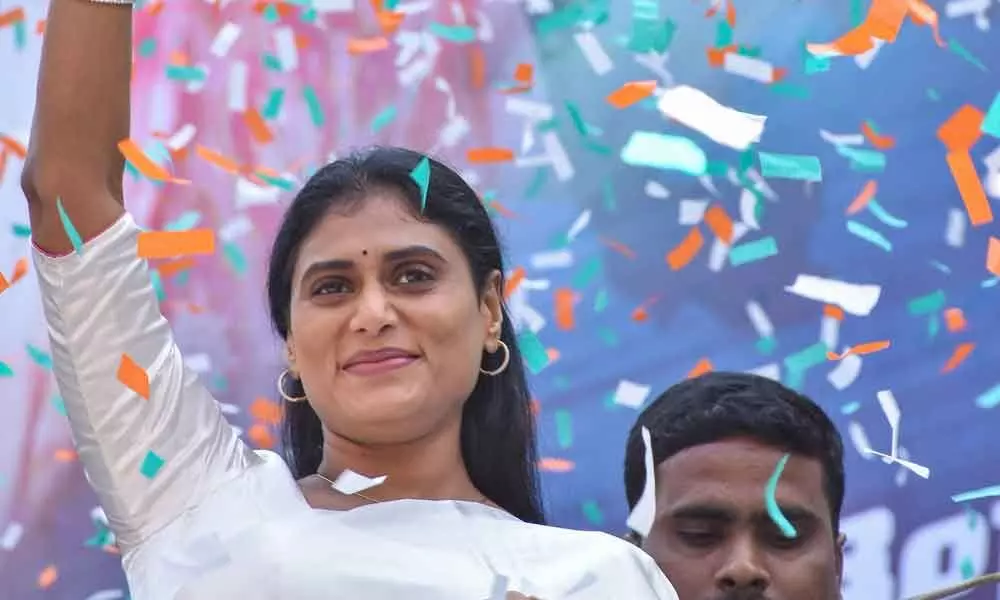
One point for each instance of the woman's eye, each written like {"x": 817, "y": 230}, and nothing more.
{"x": 326, "y": 288}
{"x": 411, "y": 276}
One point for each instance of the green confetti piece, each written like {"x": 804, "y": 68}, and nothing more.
{"x": 315, "y": 109}
{"x": 592, "y": 512}
{"x": 271, "y": 61}
{"x": 991, "y": 123}
{"x": 20, "y": 34}
{"x": 421, "y": 175}
{"x": 535, "y": 356}
{"x": 790, "y": 90}
{"x": 271, "y": 13}
{"x": 716, "y": 168}
{"x": 220, "y": 383}
{"x": 990, "y": 398}
{"x": 565, "y": 18}
{"x": 21, "y": 231}
{"x": 71, "y": 232}
{"x": 933, "y": 326}
{"x": 183, "y": 278}
{"x": 383, "y": 119}
{"x": 864, "y": 160}
{"x": 940, "y": 266}
{"x": 578, "y": 123}
{"x": 857, "y": 12}
{"x": 753, "y": 251}
{"x": 5, "y": 370}
{"x": 587, "y": 273}
{"x": 59, "y": 405}
{"x": 987, "y": 492}
{"x": 186, "y": 73}
{"x": 723, "y": 34}
{"x": 773, "y": 510}
{"x": 147, "y": 47}
{"x": 456, "y": 34}
{"x": 925, "y": 305}
{"x": 806, "y": 358}
{"x": 151, "y": 465}
{"x": 40, "y": 357}
{"x": 965, "y": 54}
{"x": 309, "y": 15}
{"x": 235, "y": 257}
{"x": 850, "y": 408}
{"x": 187, "y": 220}
{"x": 608, "y": 336}
{"x": 790, "y": 166}
{"x": 601, "y": 300}
{"x": 968, "y": 569}
{"x": 537, "y": 182}
{"x": 660, "y": 151}
{"x": 156, "y": 279}
{"x": 278, "y": 182}
{"x": 751, "y": 51}
{"x": 272, "y": 108}
{"x": 868, "y": 234}
{"x": 933, "y": 94}
{"x": 882, "y": 215}
{"x": 766, "y": 345}
{"x": 608, "y": 195}
{"x": 596, "y": 148}
{"x": 564, "y": 428}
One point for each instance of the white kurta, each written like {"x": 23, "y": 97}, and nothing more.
{"x": 219, "y": 520}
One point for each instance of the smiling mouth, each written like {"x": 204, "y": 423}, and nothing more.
{"x": 380, "y": 366}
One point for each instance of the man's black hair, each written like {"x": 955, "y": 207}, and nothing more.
{"x": 722, "y": 405}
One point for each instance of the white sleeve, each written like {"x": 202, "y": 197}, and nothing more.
{"x": 100, "y": 305}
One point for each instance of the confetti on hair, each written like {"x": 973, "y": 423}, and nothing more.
{"x": 421, "y": 175}
{"x": 771, "y": 503}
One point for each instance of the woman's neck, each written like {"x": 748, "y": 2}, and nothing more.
{"x": 430, "y": 468}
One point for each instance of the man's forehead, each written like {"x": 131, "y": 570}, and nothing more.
{"x": 733, "y": 473}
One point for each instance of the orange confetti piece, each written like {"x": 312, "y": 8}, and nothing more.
{"x": 48, "y": 577}
{"x": 703, "y": 366}
{"x": 14, "y": 146}
{"x": 863, "y": 198}
{"x": 40, "y": 27}
{"x": 168, "y": 244}
{"x": 970, "y": 188}
{"x": 883, "y": 22}
{"x": 640, "y": 314}
{"x": 524, "y": 73}
{"x": 503, "y": 210}
{"x": 169, "y": 269}
{"x": 556, "y": 465}
{"x": 962, "y": 351}
{"x": 65, "y": 455}
{"x": 477, "y": 64}
{"x": 20, "y": 270}
{"x": 257, "y": 126}
{"x": 389, "y": 20}
{"x": 3, "y": 283}
{"x": 489, "y": 155}
{"x": 717, "y": 56}
{"x": 367, "y": 45}
{"x": 133, "y": 376}
{"x": 553, "y": 354}
{"x": 564, "y": 300}
{"x": 954, "y": 319}
{"x": 860, "y": 349}
{"x": 881, "y": 142}
{"x": 145, "y": 165}
{"x": 631, "y": 93}
{"x": 993, "y": 256}
{"x": 835, "y": 312}
{"x": 514, "y": 281}
{"x": 218, "y": 159}
{"x": 720, "y": 223}
{"x": 266, "y": 411}
{"x": 684, "y": 252}
{"x": 11, "y": 17}
{"x": 962, "y": 129}
{"x": 618, "y": 247}
{"x": 260, "y": 436}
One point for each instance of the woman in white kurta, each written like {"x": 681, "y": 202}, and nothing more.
{"x": 401, "y": 363}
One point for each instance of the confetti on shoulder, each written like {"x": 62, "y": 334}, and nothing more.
{"x": 133, "y": 376}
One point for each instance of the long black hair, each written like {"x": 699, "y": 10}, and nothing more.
{"x": 498, "y": 431}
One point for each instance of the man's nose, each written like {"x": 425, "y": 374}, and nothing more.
{"x": 743, "y": 567}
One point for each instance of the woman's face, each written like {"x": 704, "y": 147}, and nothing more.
{"x": 387, "y": 329}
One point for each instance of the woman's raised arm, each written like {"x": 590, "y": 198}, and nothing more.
{"x": 81, "y": 113}
{"x": 151, "y": 438}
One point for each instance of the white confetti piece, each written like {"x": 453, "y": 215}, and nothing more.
{"x": 235, "y": 228}
{"x": 846, "y": 372}
{"x": 579, "y": 225}
{"x": 12, "y": 535}
{"x": 228, "y": 409}
{"x": 183, "y": 137}
{"x": 919, "y": 470}
{"x": 592, "y": 50}
{"x": 699, "y": 111}
{"x": 656, "y": 190}
{"x": 954, "y": 234}
{"x": 760, "y": 184}
{"x": 287, "y": 51}
{"x": 484, "y": 33}
{"x": 859, "y": 439}
{"x": 864, "y": 60}
{"x": 251, "y": 194}
{"x": 709, "y": 185}
{"x": 332, "y": 6}
{"x": 719, "y": 251}
{"x": 657, "y": 63}
{"x": 349, "y": 482}
{"x": 748, "y": 209}
{"x": 842, "y": 139}
{"x": 977, "y": 9}
{"x": 749, "y": 67}
{"x": 538, "y": 7}
{"x": 237, "y": 86}
{"x": 631, "y": 394}
{"x": 529, "y": 109}
{"x": 829, "y": 331}
{"x": 554, "y": 156}
{"x": 640, "y": 520}
{"x": 856, "y": 299}
{"x": 992, "y": 160}
{"x": 691, "y": 211}
{"x": 199, "y": 363}
{"x": 759, "y": 319}
{"x": 890, "y": 408}
{"x": 771, "y": 371}
{"x": 991, "y": 184}
{"x": 109, "y": 594}
{"x": 225, "y": 39}
{"x": 552, "y": 259}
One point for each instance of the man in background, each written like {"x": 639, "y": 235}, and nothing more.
{"x": 716, "y": 440}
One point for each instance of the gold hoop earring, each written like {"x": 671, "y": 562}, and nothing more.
{"x": 503, "y": 364}
{"x": 281, "y": 389}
